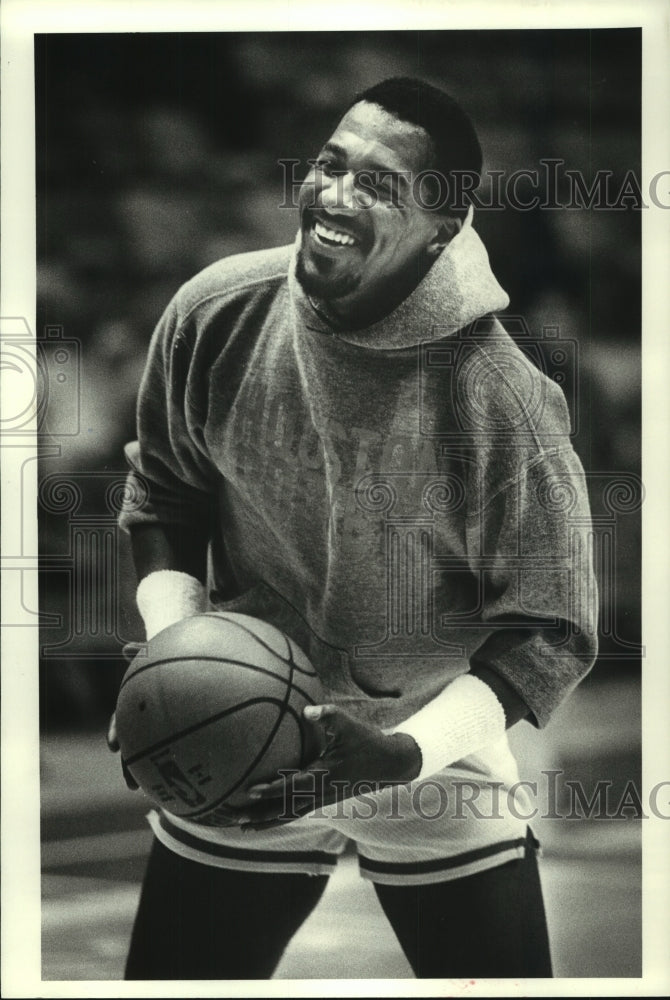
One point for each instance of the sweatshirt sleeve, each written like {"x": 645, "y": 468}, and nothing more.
{"x": 530, "y": 546}
{"x": 171, "y": 480}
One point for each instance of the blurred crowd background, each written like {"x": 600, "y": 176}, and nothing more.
{"x": 158, "y": 154}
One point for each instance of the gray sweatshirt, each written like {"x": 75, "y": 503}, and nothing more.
{"x": 403, "y": 500}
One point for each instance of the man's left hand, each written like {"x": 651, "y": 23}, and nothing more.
{"x": 357, "y": 757}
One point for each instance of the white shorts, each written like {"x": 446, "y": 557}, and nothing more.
{"x": 460, "y": 821}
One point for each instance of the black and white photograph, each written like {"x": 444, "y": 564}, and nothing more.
{"x": 334, "y": 447}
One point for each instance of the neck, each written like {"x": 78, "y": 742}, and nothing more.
{"x": 355, "y": 313}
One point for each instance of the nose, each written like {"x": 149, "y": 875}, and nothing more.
{"x": 340, "y": 194}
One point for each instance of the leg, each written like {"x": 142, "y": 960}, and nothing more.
{"x": 195, "y": 921}
{"x": 489, "y": 925}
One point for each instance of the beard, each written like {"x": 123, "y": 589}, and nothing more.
{"x": 325, "y": 286}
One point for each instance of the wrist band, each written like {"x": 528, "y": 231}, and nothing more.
{"x": 166, "y": 596}
{"x": 462, "y": 719}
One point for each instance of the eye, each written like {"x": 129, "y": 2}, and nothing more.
{"x": 387, "y": 189}
{"x": 327, "y": 167}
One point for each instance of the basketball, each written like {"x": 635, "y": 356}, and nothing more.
{"x": 214, "y": 706}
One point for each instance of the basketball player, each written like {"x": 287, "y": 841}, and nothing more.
{"x": 374, "y": 467}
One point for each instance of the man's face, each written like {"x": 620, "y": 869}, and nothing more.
{"x": 365, "y": 241}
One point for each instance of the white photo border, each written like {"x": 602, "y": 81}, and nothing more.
{"x": 20, "y": 20}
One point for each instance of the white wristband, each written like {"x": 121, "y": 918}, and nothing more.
{"x": 166, "y": 596}
{"x": 462, "y": 719}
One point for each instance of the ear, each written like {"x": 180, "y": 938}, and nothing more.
{"x": 447, "y": 228}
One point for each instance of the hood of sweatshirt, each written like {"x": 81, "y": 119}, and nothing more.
{"x": 459, "y": 288}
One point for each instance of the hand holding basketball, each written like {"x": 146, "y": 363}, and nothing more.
{"x": 214, "y": 704}
{"x": 357, "y": 757}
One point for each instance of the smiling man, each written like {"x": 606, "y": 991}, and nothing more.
{"x": 366, "y": 239}
{"x": 375, "y": 468}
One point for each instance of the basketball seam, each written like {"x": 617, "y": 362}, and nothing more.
{"x": 217, "y": 659}
{"x": 232, "y": 621}
{"x": 283, "y": 709}
{"x": 180, "y": 734}
{"x": 211, "y": 806}
{"x": 154, "y": 748}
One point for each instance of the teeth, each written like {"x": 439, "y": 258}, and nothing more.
{"x": 333, "y": 235}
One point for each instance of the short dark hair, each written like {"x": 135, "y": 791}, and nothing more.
{"x": 454, "y": 141}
